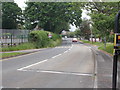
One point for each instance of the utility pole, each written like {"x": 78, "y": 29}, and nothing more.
{"x": 91, "y": 33}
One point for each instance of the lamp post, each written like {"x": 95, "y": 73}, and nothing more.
{"x": 91, "y": 33}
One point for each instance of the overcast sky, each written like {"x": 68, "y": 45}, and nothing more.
{"x": 22, "y": 5}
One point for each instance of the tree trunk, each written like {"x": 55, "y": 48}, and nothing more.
{"x": 95, "y": 39}
{"x": 105, "y": 42}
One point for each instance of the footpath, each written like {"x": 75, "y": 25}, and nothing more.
{"x": 24, "y": 51}
{"x": 103, "y": 68}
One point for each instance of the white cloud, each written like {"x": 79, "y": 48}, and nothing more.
{"x": 84, "y": 14}
{"x": 21, "y": 3}
{"x": 72, "y": 28}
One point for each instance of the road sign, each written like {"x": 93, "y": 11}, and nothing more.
{"x": 49, "y": 35}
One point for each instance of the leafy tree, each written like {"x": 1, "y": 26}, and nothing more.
{"x": 106, "y": 8}
{"x": 85, "y": 29}
{"x": 11, "y": 15}
{"x": 52, "y": 16}
{"x": 102, "y": 14}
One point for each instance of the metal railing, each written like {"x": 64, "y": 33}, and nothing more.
{"x": 10, "y": 37}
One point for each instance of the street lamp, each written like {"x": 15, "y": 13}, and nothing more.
{"x": 91, "y": 32}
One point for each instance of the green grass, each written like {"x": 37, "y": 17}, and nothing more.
{"x": 26, "y": 46}
{"x": 23, "y": 46}
{"x": 109, "y": 46}
{"x": 4, "y": 55}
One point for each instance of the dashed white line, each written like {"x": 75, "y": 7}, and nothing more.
{"x": 56, "y": 56}
{"x": 21, "y": 69}
{"x": 66, "y": 51}
{"x": 32, "y": 65}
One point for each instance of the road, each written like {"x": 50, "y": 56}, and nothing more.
{"x": 71, "y": 65}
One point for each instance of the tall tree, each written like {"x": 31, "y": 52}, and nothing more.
{"x": 85, "y": 29}
{"x": 52, "y": 16}
{"x": 11, "y": 15}
{"x": 102, "y": 14}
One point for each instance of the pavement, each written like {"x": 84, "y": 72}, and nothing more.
{"x": 71, "y": 65}
{"x": 25, "y": 51}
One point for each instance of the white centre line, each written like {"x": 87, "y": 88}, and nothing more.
{"x": 56, "y": 56}
{"x": 42, "y": 61}
{"x": 32, "y": 65}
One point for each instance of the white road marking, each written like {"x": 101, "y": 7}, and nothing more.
{"x": 56, "y": 56}
{"x": 66, "y": 51}
{"x": 42, "y": 60}
{"x": 32, "y": 65}
{"x": 59, "y": 72}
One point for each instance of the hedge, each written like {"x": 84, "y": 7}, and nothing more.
{"x": 40, "y": 38}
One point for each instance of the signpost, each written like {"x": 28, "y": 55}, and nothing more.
{"x": 49, "y": 35}
{"x": 116, "y": 51}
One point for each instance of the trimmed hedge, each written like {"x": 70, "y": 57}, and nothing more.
{"x": 40, "y": 38}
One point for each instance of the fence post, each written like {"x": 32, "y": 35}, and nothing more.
{"x": 22, "y": 38}
{"x": 11, "y": 40}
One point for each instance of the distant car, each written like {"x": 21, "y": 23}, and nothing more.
{"x": 65, "y": 36}
{"x": 74, "y": 40}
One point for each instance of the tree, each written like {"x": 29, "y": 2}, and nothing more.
{"x": 102, "y": 14}
{"x": 51, "y": 16}
{"x": 85, "y": 29}
{"x": 106, "y": 8}
{"x": 11, "y": 15}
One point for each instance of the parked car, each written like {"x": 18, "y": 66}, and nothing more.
{"x": 74, "y": 40}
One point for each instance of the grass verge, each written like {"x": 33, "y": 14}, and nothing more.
{"x": 7, "y": 55}
{"x": 26, "y": 46}
{"x": 108, "y": 49}
{"x": 23, "y": 46}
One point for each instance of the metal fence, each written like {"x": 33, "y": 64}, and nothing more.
{"x": 13, "y": 37}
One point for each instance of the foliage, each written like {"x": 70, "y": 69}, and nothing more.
{"x": 11, "y": 15}
{"x": 40, "y": 38}
{"x": 103, "y": 23}
{"x": 71, "y": 34}
{"x": 52, "y": 16}
{"x": 53, "y": 43}
{"x": 85, "y": 28}
{"x": 77, "y": 33}
{"x": 106, "y": 8}
{"x": 109, "y": 46}
{"x": 102, "y": 15}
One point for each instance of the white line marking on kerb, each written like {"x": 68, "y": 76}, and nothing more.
{"x": 32, "y": 65}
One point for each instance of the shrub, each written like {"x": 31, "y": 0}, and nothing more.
{"x": 55, "y": 37}
{"x": 40, "y": 38}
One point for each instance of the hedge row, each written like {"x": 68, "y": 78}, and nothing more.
{"x": 41, "y": 39}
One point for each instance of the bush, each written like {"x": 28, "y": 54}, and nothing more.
{"x": 37, "y": 39}
{"x": 40, "y": 38}
{"x": 55, "y": 37}
{"x": 55, "y": 43}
